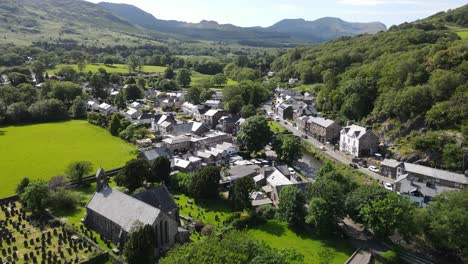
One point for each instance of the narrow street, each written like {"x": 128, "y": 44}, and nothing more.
{"x": 329, "y": 152}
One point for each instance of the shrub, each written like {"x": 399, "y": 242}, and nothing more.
{"x": 207, "y": 230}
{"x": 266, "y": 211}
{"x": 63, "y": 199}
{"x": 390, "y": 257}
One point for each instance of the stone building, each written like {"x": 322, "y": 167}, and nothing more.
{"x": 358, "y": 141}
{"x": 324, "y": 130}
{"x": 114, "y": 214}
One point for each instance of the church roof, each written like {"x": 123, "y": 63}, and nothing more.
{"x": 158, "y": 197}
{"x": 122, "y": 209}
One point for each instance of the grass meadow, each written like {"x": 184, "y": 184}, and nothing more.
{"x": 198, "y": 79}
{"x": 315, "y": 250}
{"x": 44, "y": 150}
{"x": 116, "y": 68}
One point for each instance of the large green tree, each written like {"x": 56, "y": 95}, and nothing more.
{"x": 77, "y": 170}
{"x": 184, "y": 77}
{"x": 254, "y": 133}
{"x": 240, "y": 193}
{"x": 133, "y": 92}
{"x": 160, "y": 170}
{"x": 133, "y": 174}
{"x": 205, "y": 182}
{"x": 140, "y": 247}
{"x": 35, "y": 196}
{"x": 291, "y": 207}
{"x": 385, "y": 217}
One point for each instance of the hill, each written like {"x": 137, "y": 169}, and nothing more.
{"x": 25, "y": 21}
{"x": 285, "y": 31}
{"x": 409, "y": 84}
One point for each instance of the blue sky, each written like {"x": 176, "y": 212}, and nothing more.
{"x": 268, "y": 12}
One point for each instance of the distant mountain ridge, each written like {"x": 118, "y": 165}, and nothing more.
{"x": 319, "y": 30}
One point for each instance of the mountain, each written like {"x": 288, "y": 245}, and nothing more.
{"x": 288, "y": 30}
{"x": 325, "y": 29}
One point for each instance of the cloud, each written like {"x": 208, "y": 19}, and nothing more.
{"x": 382, "y": 2}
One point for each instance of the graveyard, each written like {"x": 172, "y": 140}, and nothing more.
{"x": 22, "y": 241}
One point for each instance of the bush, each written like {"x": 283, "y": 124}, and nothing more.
{"x": 207, "y": 230}
{"x": 63, "y": 199}
{"x": 266, "y": 211}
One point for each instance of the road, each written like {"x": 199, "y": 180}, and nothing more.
{"x": 329, "y": 152}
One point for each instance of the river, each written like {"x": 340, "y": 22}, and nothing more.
{"x": 308, "y": 164}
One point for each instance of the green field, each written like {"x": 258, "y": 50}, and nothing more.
{"x": 275, "y": 127}
{"x": 44, "y": 150}
{"x": 116, "y": 68}
{"x": 463, "y": 34}
{"x": 199, "y": 79}
{"x": 315, "y": 250}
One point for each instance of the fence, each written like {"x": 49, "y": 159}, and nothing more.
{"x": 92, "y": 178}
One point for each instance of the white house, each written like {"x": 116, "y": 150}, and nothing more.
{"x": 358, "y": 141}
{"x": 93, "y": 106}
{"x": 133, "y": 113}
{"x": 137, "y": 105}
{"x": 107, "y": 108}
{"x": 214, "y": 104}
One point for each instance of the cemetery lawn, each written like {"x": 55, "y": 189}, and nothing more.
{"x": 27, "y": 233}
{"x": 115, "y": 68}
{"x": 42, "y": 151}
{"x": 315, "y": 250}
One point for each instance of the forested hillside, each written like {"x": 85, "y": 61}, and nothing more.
{"x": 409, "y": 84}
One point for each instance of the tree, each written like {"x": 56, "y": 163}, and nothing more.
{"x": 452, "y": 157}
{"x": 141, "y": 244}
{"x": 38, "y": 69}
{"x": 134, "y": 63}
{"x": 68, "y": 73}
{"x": 193, "y": 95}
{"x": 133, "y": 174}
{"x": 248, "y": 111}
{"x": 169, "y": 73}
{"x": 17, "y": 112}
{"x": 240, "y": 193}
{"x": 184, "y": 77}
{"x": 114, "y": 125}
{"x": 291, "y": 205}
{"x": 160, "y": 170}
{"x": 82, "y": 65}
{"x": 108, "y": 61}
{"x": 22, "y": 185}
{"x": 78, "y": 108}
{"x": 320, "y": 215}
{"x": 48, "y": 110}
{"x": 254, "y": 133}
{"x": 234, "y": 106}
{"x": 361, "y": 197}
{"x": 35, "y": 196}
{"x": 98, "y": 83}
{"x": 446, "y": 222}
{"x": 168, "y": 85}
{"x": 115, "y": 78}
{"x": 289, "y": 149}
{"x": 133, "y": 92}
{"x": 3, "y": 110}
{"x": 219, "y": 80}
{"x": 384, "y": 217}
{"x": 119, "y": 101}
{"x": 205, "y": 182}
{"x": 77, "y": 170}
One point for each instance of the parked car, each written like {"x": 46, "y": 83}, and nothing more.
{"x": 305, "y": 136}
{"x": 353, "y": 165}
{"x": 291, "y": 171}
{"x": 388, "y": 186}
{"x": 362, "y": 164}
{"x": 322, "y": 147}
{"x": 374, "y": 169}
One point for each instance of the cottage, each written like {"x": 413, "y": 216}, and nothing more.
{"x": 137, "y": 106}
{"x": 276, "y": 181}
{"x": 187, "y": 165}
{"x": 284, "y": 111}
{"x": 132, "y": 113}
{"x": 107, "y": 108}
{"x": 239, "y": 171}
{"x": 152, "y": 154}
{"x": 211, "y": 117}
{"x": 358, "y": 141}
{"x": 324, "y": 130}
{"x": 214, "y": 104}
{"x": 92, "y": 106}
{"x": 114, "y": 214}
{"x": 227, "y": 124}
{"x": 259, "y": 199}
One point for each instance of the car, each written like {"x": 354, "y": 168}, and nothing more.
{"x": 353, "y": 165}
{"x": 291, "y": 171}
{"x": 374, "y": 169}
{"x": 362, "y": 164}
{"x": 277, "y": 119}
{"x": 388, "y": 186}
{"x": 305, "y": 136}
{"x": 322, "y": 147}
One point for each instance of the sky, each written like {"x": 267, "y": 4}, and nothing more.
{"x": 267, "y": 12}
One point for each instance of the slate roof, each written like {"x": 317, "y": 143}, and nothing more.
{"x": 321, "y": 121}
{"x": 278, "y": 179}
{"x": 390, "y": 163}
{"x": 406, "y": 186}
{"x": 436, "y": 173}
{"x": 240, "y": 171}
{"x": 153, "y": 154}
{"x": 212, "y": 112}
{"x": 158, "y": 197}
{"x": 122, "y": 209}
